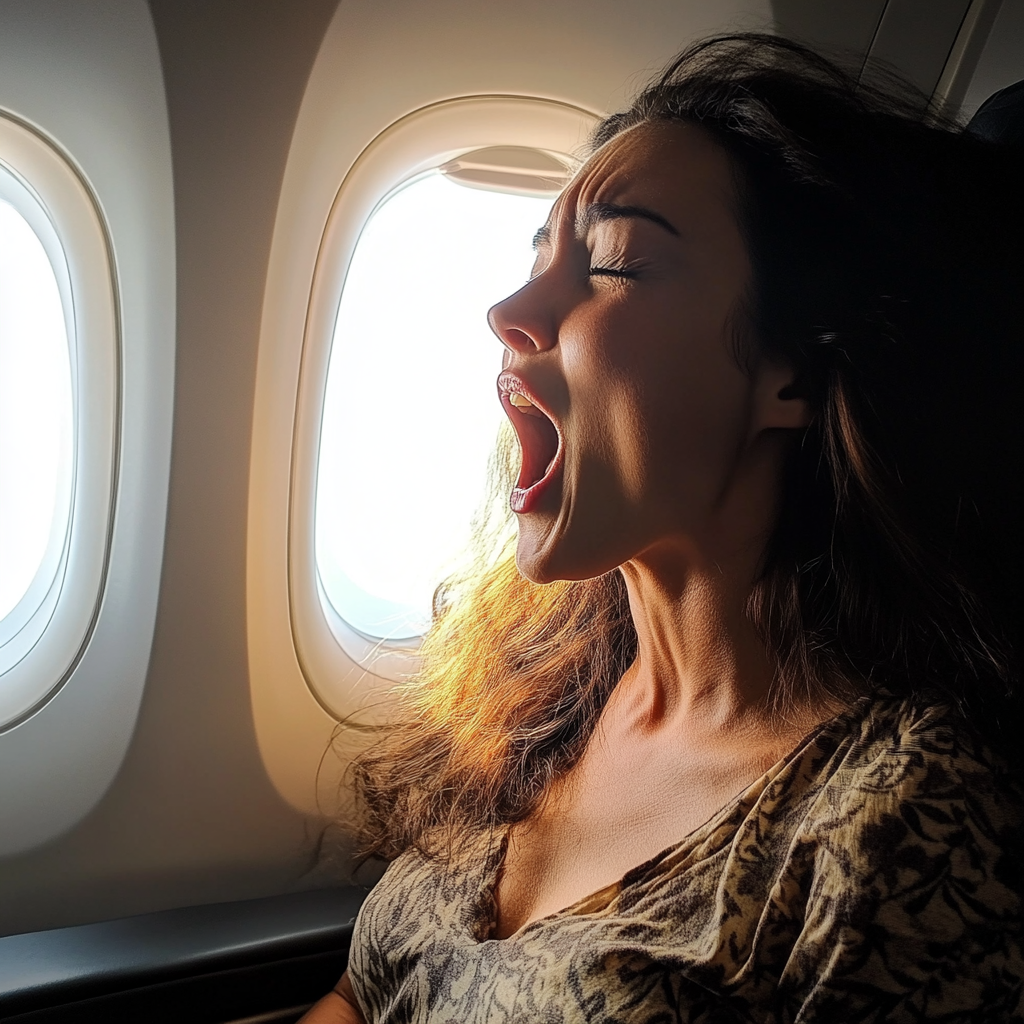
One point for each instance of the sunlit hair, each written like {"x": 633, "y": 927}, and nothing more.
{"x": 888, "y": 259}
{"x": 513, "y": 678}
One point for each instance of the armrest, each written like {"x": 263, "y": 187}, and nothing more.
{"x": 230, "y": 956}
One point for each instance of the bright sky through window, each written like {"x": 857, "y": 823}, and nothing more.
{"x": 410, "y": 411}
{"x": 35, "y": 410}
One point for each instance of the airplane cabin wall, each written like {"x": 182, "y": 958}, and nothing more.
{"x": 191, "y": 817}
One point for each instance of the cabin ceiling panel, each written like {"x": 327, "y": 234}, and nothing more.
{"x": 1001, "y": 60}
{"x": 848, "y": 25}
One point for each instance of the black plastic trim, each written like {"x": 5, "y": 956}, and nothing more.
{"x": 237, "y": 959}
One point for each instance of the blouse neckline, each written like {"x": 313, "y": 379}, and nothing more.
{"x": 484, "y": 915}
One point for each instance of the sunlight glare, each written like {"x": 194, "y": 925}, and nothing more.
{"x": 411, "y": 412}
{"x": 35, "y": 406}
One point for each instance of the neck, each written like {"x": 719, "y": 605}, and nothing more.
{"x": 699, "y": 659}
{"x": 700, "y": 663}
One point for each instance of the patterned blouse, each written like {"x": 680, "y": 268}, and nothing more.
{"x": 872, "y": 875}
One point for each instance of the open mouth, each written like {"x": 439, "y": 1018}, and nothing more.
{"x": 539, "y": 441}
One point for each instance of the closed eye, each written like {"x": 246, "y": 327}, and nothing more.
{"x": 611, "y": 272}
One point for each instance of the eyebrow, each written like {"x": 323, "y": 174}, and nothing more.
{"x": 597, "y": 213}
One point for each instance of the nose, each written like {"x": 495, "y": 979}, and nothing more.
{"x": 521, "y": 322}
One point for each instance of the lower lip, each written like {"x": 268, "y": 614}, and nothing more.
{"x": 524, "y": 500}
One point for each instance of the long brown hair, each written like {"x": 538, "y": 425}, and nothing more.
{"x": 888, "y": 261}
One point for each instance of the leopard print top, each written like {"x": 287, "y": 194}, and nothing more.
{"x": 872, "y": 875}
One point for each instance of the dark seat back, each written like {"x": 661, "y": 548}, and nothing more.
{"x": 1001, "y": 117}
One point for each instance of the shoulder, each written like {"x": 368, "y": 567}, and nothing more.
{"x": 921, "y": 827}
{"x": 916, "y": 883}
{"x": 913, "y": 757}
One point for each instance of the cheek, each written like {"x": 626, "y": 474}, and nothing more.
{"x": 682, "y": 404}
{"x": 698, "y": 436}
{"x": 605, "y": 372}
{"x": 607, "y": 348}
{"x": 654, "y": 389}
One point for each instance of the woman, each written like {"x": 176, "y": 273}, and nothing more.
{"x": 737, "y": 747}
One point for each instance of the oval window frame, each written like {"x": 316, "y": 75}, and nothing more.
{"x": 58, "y": 634}
{"x": 336, "y": 660}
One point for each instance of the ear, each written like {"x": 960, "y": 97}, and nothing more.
{"x": 779, "y": 402}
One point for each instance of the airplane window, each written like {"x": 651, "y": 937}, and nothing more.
{"x": 59, "y": 397}
{"x": 410, "y": 413}
{"x": 36, "y": 412}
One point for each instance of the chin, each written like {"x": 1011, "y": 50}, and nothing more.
{"x": 543, "y": 558}
{"x": 536, "y": 565}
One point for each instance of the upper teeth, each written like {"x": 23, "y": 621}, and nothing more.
{"x": 520, "y": 401}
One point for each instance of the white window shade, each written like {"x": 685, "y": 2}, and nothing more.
{"x": 518, "y": 170}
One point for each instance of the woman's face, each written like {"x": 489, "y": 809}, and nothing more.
{"x": 641, "y": 420}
